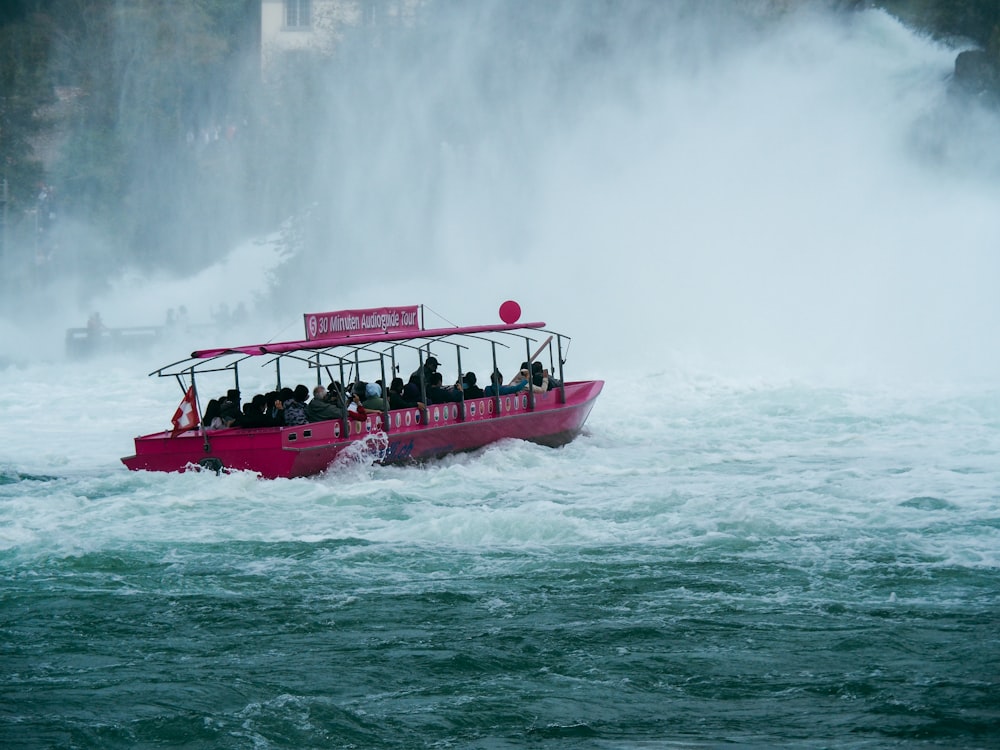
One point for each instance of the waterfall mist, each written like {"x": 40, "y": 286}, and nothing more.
{"x": 728, "y": 187}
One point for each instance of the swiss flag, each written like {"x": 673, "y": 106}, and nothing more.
{"x": 186, "y": 416}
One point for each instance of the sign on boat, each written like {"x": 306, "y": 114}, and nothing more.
{"x": 374, "y": 346}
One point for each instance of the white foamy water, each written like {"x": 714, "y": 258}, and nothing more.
{"x": 667, "y": 459}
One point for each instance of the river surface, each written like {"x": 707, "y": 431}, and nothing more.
{"x": 711, "y": 564}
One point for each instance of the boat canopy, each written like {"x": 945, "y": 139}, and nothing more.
{"x": 286, "y": 347}
{"x": 331, "y": 349}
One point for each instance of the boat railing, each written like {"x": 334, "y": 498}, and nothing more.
{"x": 85, "y": 341}
{"x": 347, "y": 357}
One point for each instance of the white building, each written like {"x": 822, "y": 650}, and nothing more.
{"x": 319, "y": 25}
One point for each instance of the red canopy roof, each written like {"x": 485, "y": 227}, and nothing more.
{"x": 285, "y": 347}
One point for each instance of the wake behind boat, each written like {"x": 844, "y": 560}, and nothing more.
{"x": 340, "y": 347}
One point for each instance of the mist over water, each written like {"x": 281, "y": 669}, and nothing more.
{"x": 716, "y": 186}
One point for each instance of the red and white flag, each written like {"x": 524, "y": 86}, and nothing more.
{"x": 186, "y": 416}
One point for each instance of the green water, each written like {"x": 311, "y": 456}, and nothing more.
{"x": 352, "y": 644}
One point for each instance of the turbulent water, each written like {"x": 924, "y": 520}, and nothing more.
{"x": 713, "y": 563}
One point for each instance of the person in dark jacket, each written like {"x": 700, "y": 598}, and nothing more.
{"x": 469, "y": 386}
{"x": 438, "y": 394}
{"x": 253, "y": 413}
{"x": 430, "y": 367}
{"x": 211, "y": 420}
{"x": 411, "y": 391}
{"x": 286, "y": 397}
{"x": 397, "y": 396}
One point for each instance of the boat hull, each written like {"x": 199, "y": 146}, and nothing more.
{"x": 552, "y": 418}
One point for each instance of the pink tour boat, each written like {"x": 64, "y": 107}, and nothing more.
{"x": 344, "y": 346}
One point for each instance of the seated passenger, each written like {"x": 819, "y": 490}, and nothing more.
{"x": 293, "y": 407}
{"x": 430, "y": 367}
{"x": 229, "y": 408}
{"x": 278, "y": 405}
{"x": 397, "y": 397}
{"x": 540, "y": 386}
{"x": 438, "y": 394}
{"x": 373, "y": 397}
{"x": 297, "y": 415}
{"x": 253, "y": 413}
{"x": 355, "y": 409}
{"x": 497, "y": 388}
{"x": 335, "y": 393}
{"x": 320, "y": 409}
{"x": 411, "y": 391}
{"x": 272, "y": 408}
{"x": 469, "y": 386}
{"x": 554, "y": 382}
{"x": 262, "y": 402}
{"x": 539, "y": 375}
{"x": 212, "y": 419}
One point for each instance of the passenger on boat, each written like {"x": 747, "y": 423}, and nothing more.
{"x": 272, "y": 408}
{"x": 295, "y": 410}
{"x": 292, "y": 406}
{"x": 411, "y": 391}
{"x": 438, "y": 394}
{"x": 335, "y": 393}
{"x": 229, "y": 408}
{"x": 538, "y": 372}
{"x": 497, "y": 388}
{"x": 263, "y": 402}
{"x": 397, "y": 399}
{"x": 540, "y": 375}
{"x": 372, "y": 398}
{"x": 539, "y": 384}
{"x": 356, "y": 410}
{"x": 469, "y": 386}
{"x": 430, "y": 367}
{"x": 253, "y": 413}
{"x": 320, "y": 409}
{"x": 212, "y": 419}
{"x": 278, "y": 412}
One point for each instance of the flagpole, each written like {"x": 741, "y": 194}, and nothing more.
{"x": 201, "y": 423}
{"x": 194, "y": 390}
